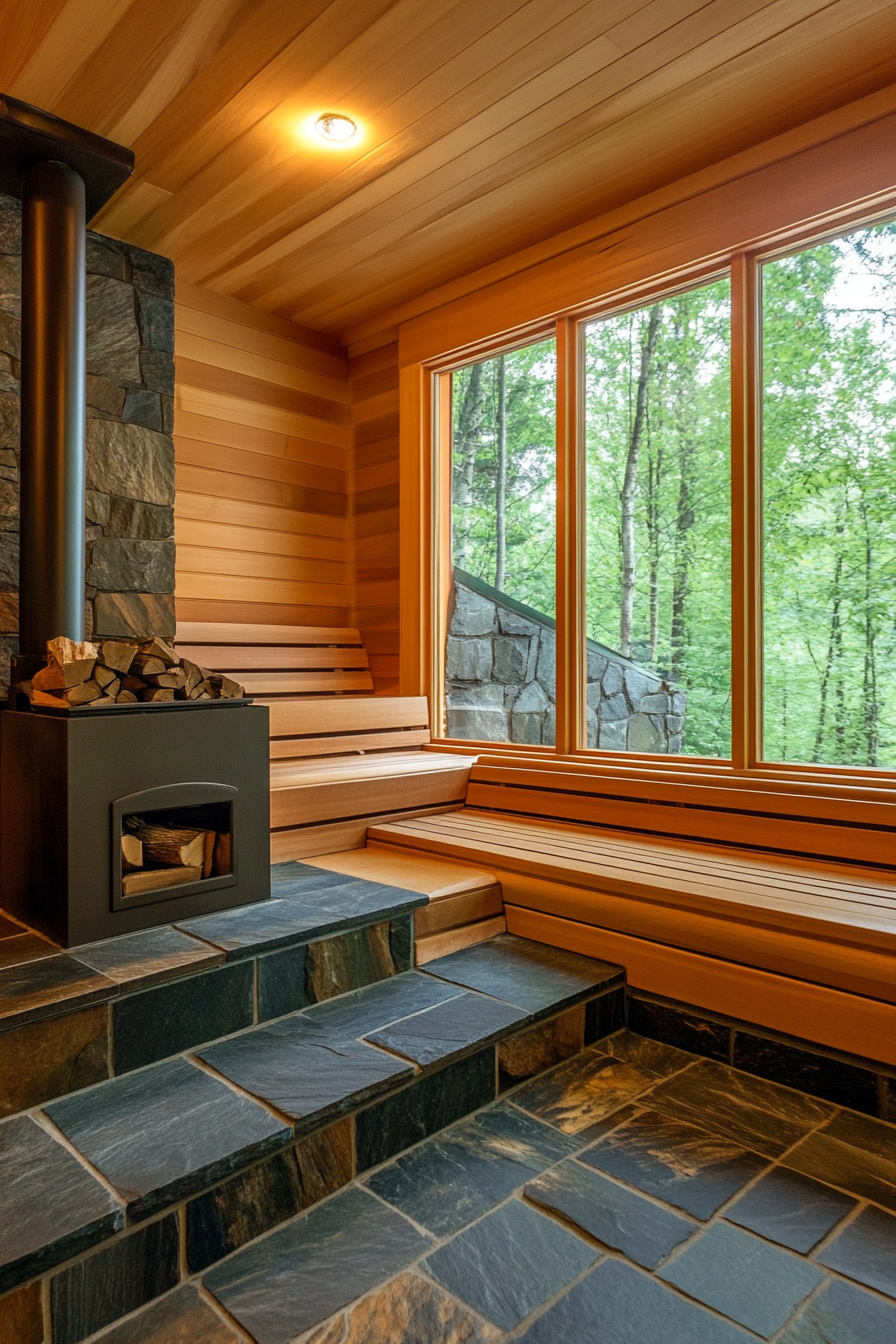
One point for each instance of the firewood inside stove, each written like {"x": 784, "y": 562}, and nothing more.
{"x": 173, "y": 846}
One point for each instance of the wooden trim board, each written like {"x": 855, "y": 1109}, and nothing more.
{"x": 847, "y": 1022}
{"x": 304, "y": 842}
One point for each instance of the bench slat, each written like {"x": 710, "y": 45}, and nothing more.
{"x": 224, "y": 632}
{"x": 312, "y": 718}
{"x": 341, "y": 743}
{"x": 304, "y": 683}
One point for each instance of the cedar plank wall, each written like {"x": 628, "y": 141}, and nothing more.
{"x": 374, "y": 506}
{"x": 263, "y": 447}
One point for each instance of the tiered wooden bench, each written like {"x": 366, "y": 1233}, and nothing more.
{"x": 801, "y": 945}
{"x": 340, "y": 756}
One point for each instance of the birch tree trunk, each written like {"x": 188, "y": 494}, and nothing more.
{"x": 629, "y": 485}
{"x": 467, "y": 436}
{"x": 501, "y": 478}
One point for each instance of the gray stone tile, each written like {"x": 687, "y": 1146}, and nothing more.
{"x": 50, "y": 985}
{"x": 755, "y": 1284}
{"x": 409, "y": 1309}
{"x": 760, "y": 1115}
{"x": 169, "y": 1018}
{"x": 652, "y": 1056}
{"x": 255, "y": 928}
{"x": 678, "y": 1027}
{"x": 791, "y": 1209}
{"x": 166, "y": 1132}
{"x": 511, "y": 1262}
{"x": 313, "y": 1265}
{"x": 181, "y": 1317}
{"x": 449, "y": 1029}
{"x": 580, "y": 1092}
{"x": 869, "y": 1136}
{"x": 610, "y": 1213}
{"x": 114, "y": 1281}
{"x": 365, "y": 1010}
{"x": 531, "y": 976}
{"x": 51, "y": 1207}
{"x": 834, "y": 1079}
{"x": 432, "y": 1101}
{"x": 143, "y": 959}
{"x": 617, "y": 1304}
{"x": 843, "y": 1314}
{"x": 307, "y": 1073}
{"x": 679, "y": 1163}
{"x": 866, "y": 1250}
{"x": 860, "y": 1171}
{"x": 460, "y": 1174}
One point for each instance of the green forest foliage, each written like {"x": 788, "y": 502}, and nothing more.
{"x": 657, "y": 452}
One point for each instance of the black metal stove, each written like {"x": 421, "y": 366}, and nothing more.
{"x": 73, "y": 781}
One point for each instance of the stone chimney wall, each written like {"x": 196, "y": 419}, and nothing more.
{"x": 130, "y": 450}
{"x": 501, "y": 681}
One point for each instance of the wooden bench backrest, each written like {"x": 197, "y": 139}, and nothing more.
{"x": 711, "y": 809}
{"x": 336, "y": 726}
{"x": 276, "y": 661}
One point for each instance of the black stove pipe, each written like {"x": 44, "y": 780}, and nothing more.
{"x": 51, "y": 583}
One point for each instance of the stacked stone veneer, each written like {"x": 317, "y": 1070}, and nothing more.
{"x": 130, "y": 451}
{"x": 501, "y": 680}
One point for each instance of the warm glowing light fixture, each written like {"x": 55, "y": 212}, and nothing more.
{"x": 335, "y": 128}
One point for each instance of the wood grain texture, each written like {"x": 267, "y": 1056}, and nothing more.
{"x": 433, "y": 945}
{"x": 331, "y": 837}
{"x": 439, "y": 879}
{"x": 812, "y": 1012}
{"x": 262, "y": 457}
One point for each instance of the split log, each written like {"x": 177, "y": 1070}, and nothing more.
{"x": 159, "y": 648}
{"x": 195, "y": 674}
{"x": 117, "y": 655}
{"x": 155, "y": 693}
{"x": 83, "y": 694}
{"x": 173, "y": 846}
{"x": 208, "y": 852}
{"x": 131, "y": 851}
{"x": 152, "y": 879}
{"x": 127, "y": 698}
{"x": 176, "y": 678}
{"x": 221, "y": 862}
{"x": 144, "y": 665}
{"x": 73, "y": 658}
{"x": 104, "y": 675}
{"x": 59, "y": 677}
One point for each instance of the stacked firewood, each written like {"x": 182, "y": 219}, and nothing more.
{"x": 116, "y": 672}
{"x": 155, "y": 855}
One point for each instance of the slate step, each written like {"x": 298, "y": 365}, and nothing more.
{"x": 193, "y": 1156}
{"x": 70, "y": 1019}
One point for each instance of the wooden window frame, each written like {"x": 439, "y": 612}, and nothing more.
{"x": 426, "y": 473}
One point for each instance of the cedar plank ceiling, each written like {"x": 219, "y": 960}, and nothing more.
{"x": 488, "y": 124}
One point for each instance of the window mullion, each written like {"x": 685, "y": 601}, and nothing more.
{"x": 746, "y": 548}
{"x": 570, "y": 643}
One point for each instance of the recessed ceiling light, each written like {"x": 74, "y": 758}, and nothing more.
{"x": 336, "y": 128}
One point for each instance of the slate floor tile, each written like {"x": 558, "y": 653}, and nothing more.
{"x": 678, "y": 1027}
{"x": 680, "y": 1163}
{"x": 364, "y": 1010}
{"x": 755, "y": 1284}
{"x": 115, "y": 1280}
{"x": 165, "y": 1132}
{"x": 468, "y": 1169}
{"x": 652, "y": 1056}
{"x": 51, "y": 1207}
{"x": 313, "y": 1265}
{"x": 309, "y": 1074}
{"x": 142, "y": 959}
{"x": 50, "y": 985}
{"x": 610, "y": 1213}
{"x": 529, "y": 975}
{"x": 860, "y": 1172}
{"x": 409, "y": 1309}
{"x": 791, "y": 1209}
{"x": 617, "y": 1304}
{"x": 866, "y": 1250}
{"x": 181, "y": 1317}
{"x": 166, "y": 1019}
{"x": 581, "y": 1091}
{"x": 871, "y": 1136}
{"x": 843, "y": 1314}
{"x": 440, "y": 1033}
{"x": 363, "y": 899}
{"x": 511, "y": 1262}
{"x": 760, "y": 1115}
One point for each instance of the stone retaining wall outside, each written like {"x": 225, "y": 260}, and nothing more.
{"x": 501, "y": 682}
{"x": 130, "y": 451}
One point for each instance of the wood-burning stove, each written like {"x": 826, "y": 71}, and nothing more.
{"x": 72, "y": 782}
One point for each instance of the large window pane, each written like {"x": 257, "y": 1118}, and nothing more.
{"x": 499, "y": 659}
{"x": 658, "y": 480}
{"x": 829, "y": 445}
